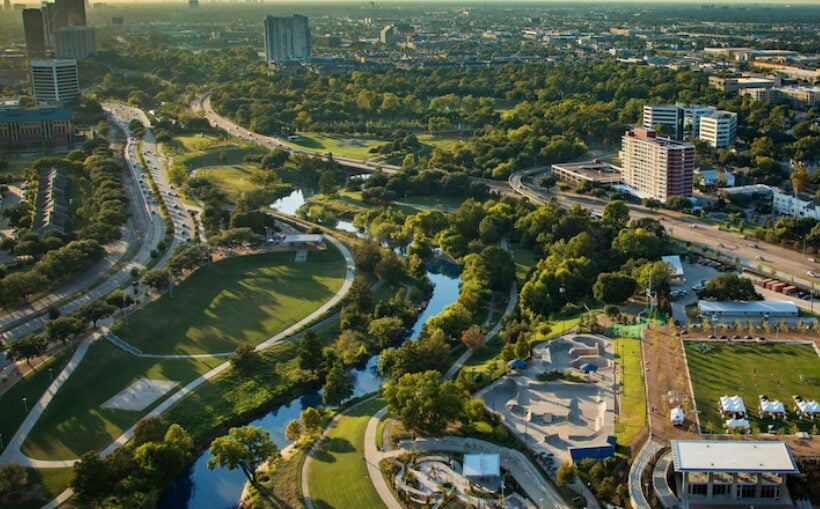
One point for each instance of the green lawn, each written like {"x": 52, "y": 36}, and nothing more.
{"x": 43, "y": 485}
{"x": 748, "y": 370}
{"x": 524, "y": 260}
{"x": 631, "y": 393}
{"x": 341, "y": 145}
{"x": 31, "y": 387}
{"x": 192, "y": 142}
{"x": 17, "y": 165}
{"x": 445, "y": 141}
{"x": 338, "y": 474}
{"x": 219, "y": 155}
{"x": 233, "y": 180}
{"x": 444, "y": 203}
{"x": 74, "y": 423}
{"x": 240, "y": 300}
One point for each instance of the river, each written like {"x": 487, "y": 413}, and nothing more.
{"x": 200, "y": 488}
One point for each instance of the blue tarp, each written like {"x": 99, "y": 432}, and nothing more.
{"x": 517, "y": 364}
{"x": 587, "y": 367}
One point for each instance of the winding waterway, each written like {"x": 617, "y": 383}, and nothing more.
{"x": 200, "y": 488}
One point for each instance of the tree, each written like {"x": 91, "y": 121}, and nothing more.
{"x": 678, "y": 203}
{"x": 327, "y": 182}
{"x": 293, "y": 430}
{"x": 309, "y": 351}
{"x": 614, "y": 287}
{"x": 119, "y": 299}
{"x": 27, "y": 348}
{"x": 565, "y": 474}
{"x": 159, "y": 461}
{"x": 473, "y": 338}
{"x": 149, "y": 429}
{"x": 244, "y": 358}
{"x": 424, "y": 402}
{"x": 63, "y": 328}
{"x": 730, "y": 287}
{"x": 90, "y": 477}
{"x": 385, "y": 330}
{"x": 338, "y": 386}
{"x": 311, "y": 420}
{"x": 616, "y": 215}
{"x": 13, "y": 477}
{"x": 93, "y": 312}
{"x": 177, "y": 435}
{"x": 247, "y": 447}
{"x": 799, "y": 178}
{"x": 390, "y": 267}
{"x": 522, "y": 347}
{"x": 158, "y": 279}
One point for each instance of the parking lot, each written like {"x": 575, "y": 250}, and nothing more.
{"x": 694, "y": 274}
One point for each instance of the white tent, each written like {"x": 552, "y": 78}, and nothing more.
{"x": 732, "y": 405}
{"x": 810, "y": 408}
{"x": 737, "y": 423}
{"x": 676, "y": 416}
{"x": 772, "y": 407}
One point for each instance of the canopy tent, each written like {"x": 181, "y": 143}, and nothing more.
{"x": 517, "y": 364}
{"x": 737, "y": 424}
{"x": 806, "y": 407}
{"x": 588, "y": 367}
{"x": 732, "y": 405}
{"x": 676, "y": 416}
{"x": 771, "y": 407}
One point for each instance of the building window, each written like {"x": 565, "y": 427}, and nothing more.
{"x": 769, "y": 491}
{"x": 719, "y": 490}
{"x": 697, "y": 489}
{"x": 746, "y": 491}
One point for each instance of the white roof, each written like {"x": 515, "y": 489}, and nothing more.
{"x": 772, "y": 406}
{"x": 772, "y": 307}
{"x": 737, "y": 423}
{"x": 676, "y": 414}
{"x": 809, "y": 407}
{"x": 303, "y": 238}
{"x": 674, "y": 261}
{"x": 732, "y": 404}
{"x": 482, "y": 465}
{"x": 732, "y": 456}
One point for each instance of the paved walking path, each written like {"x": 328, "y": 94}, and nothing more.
{"x": 660, "y": 484}
{"x": 639, "y": 465}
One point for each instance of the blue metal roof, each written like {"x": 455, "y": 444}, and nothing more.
{"x": 11, "y": 115}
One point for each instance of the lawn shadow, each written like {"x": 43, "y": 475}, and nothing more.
{"x": 331, "y": 445}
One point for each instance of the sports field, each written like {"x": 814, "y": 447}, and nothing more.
{"x": 778, "y": 370}
{"x": 241, "y": 300}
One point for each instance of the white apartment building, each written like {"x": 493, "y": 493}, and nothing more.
{"x": 287, "y": 39}
{"x": 656, "y": 167}
{"x": 719, "y": 128}
{"x": 55, "y": 81}
{"x": 794, "y": 206}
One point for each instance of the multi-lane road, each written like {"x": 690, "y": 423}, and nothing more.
{"x": 753, "y": 255}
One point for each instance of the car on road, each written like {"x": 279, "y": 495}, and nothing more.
{"x": 753, "y": 245}
{"x": 693, "y": 225}
{"x": 812, "y": 273}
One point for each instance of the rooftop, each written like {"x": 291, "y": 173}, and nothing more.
{"x": 758, "y": 306}
{"x": 674, "y": 261}
{"x": 482, "y": 465}
{"x": 303, "y": 239}
{"x": 732, "y": 456}
{"x": 34, "y": 114}
{"x": 591, "y": 169}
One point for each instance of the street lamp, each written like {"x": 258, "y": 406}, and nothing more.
{"x": 25, "y": 404}
{"x": 562, "y": 291}
{"x": 51, "y": 374}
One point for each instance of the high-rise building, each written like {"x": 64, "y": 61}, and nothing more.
{"x": 75, "y": 43}
{"x": 34, "y": 33}
{"x": 681, "y": 121}
{"x": 69, "y": 13}
{"x": 656, "y": 167}
{"x": 287, "y": 39}
{"x": 718, "y": 129}
{"x": 54, "y": 81}
{"x": 48, "y": 10}
{"x": 6, "y": 5}
{"x": 389, "y": 35}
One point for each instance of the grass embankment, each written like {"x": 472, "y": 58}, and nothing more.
{"x": 17, "y": 164}
{"x": 240, "y": 300}
{"x": 748, "y": 370}
{"x": 43, "y": 485}
{"x": 74, "y": 422}
{"x": 338, "y": 475}
{"x": 631, "y": 417}
{"x": 31, "y": 387}
{"x": 285, "y": 483}
{"x": 339, "y": 145}
{"x": 220, "y": 154}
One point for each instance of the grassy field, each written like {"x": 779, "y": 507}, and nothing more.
{"x": 524, "y": 261}
{"x": 632, "y": 394}
{"x": 339, "y": 458}
{"x": 444, "y": 203}
{"x": 17, "y": 165}
{"x": 233, "y": 180}
{"x": 748, "y": 370}
{"x": 31, "y": 387}
{"x": 339, "y": 145}
{"x": 219, "y": 155}
{"x": 192, "y": 142}
{"x": 43, "y": 485}
{"x": 241, "y": 300}
{"x": 74, "y": 423}
{"x": 445, "y": 141}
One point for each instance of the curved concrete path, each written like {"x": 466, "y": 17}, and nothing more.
{"x": 13, "y": 453}
{"x": 641, "y": 462}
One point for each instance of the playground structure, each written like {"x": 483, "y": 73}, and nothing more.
{"x": 552, "y": 417}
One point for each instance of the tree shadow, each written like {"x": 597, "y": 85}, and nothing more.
{"x": 331, "y": 446}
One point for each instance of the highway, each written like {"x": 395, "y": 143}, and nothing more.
{"x": 767, "y": 258}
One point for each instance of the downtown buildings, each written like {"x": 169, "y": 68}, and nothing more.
{"x": 36, "y": 127}
{"x": 55, "y": 81}
{"x": 691, "y": 121}
{"x": 287, "y": 39}
{"x": 58, "y": 27}
{"x": 656, "y": 167}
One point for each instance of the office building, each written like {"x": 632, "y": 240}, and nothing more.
{"x": 69, "y": 13}
{"x": 48, "y": 10}
{"x": 596, "y": 172}
{"x": 680, "y": 121}
{"x": 718, "y": 129}
{"x": 75, "y": 42}
{"x": 35, "y": 127}
{"x": 731, "y": 472}
{"x": 739, "y": 83}
{"x": 34, "y": 33}
{"x": 389, "y": 34}
{"x": 798, "y": 97}
{"x": 287, "y": 39}
{"x": 6, "y": 5}
{"x": 55, "y": 80}
{"x": 656, "y": 167}
{"x": 787, "y": 204}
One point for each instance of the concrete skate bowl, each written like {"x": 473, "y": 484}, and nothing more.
{"x": 573, "y": 351}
